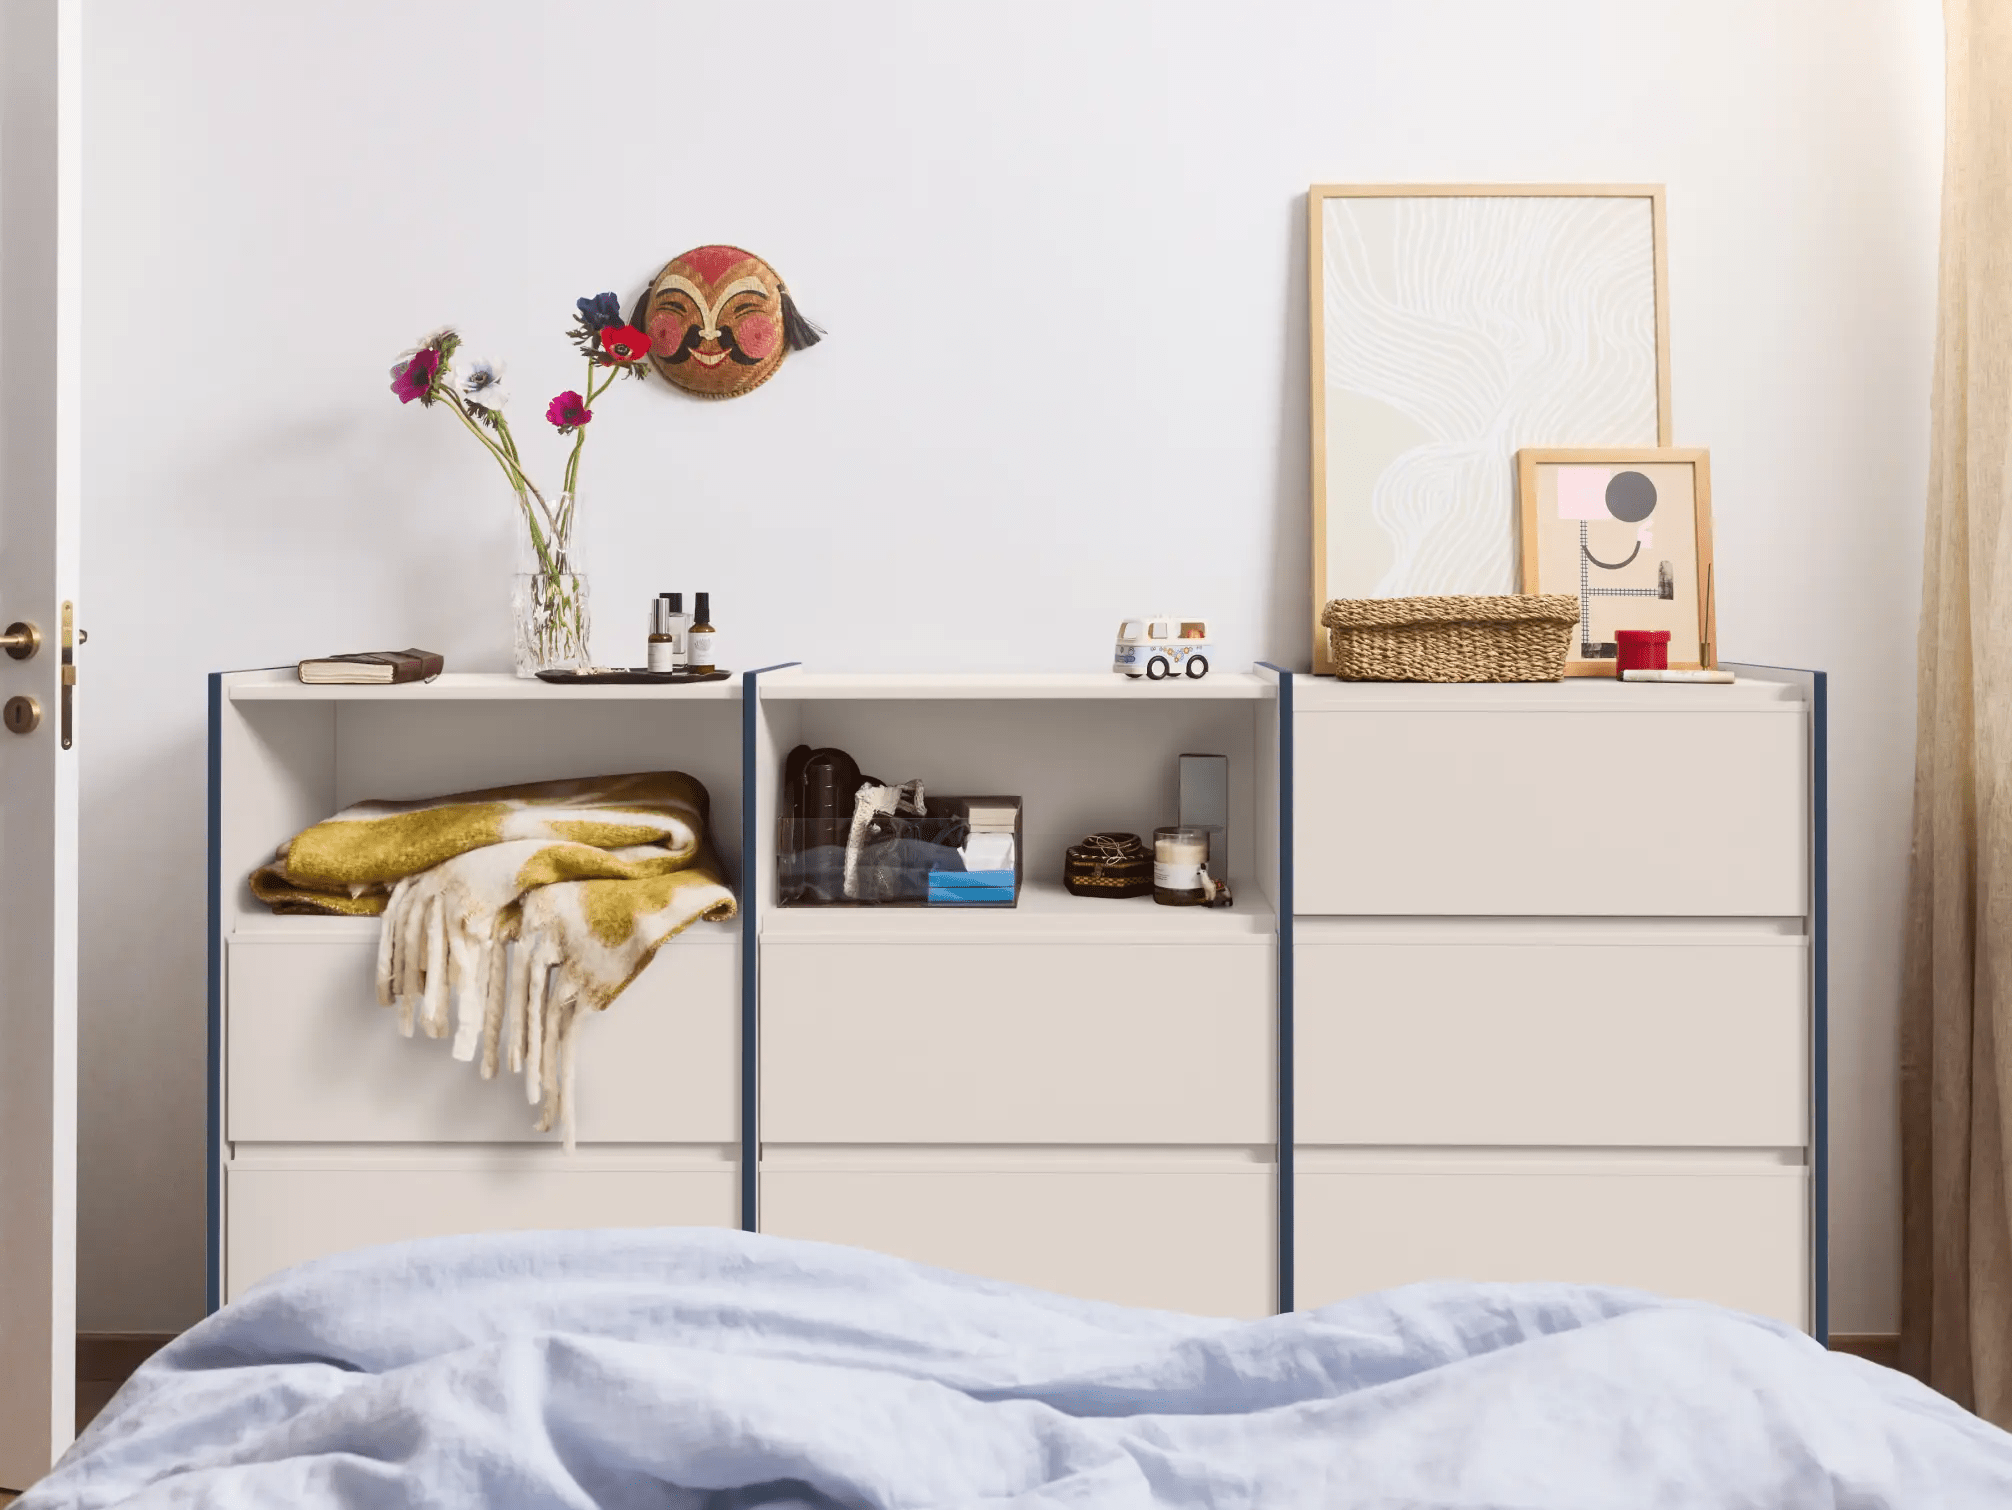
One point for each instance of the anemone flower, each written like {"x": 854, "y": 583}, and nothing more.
{"x": 482, "y": 384}
{"x": 415, "y": 377}
{"x": 568, "y": 411}
{"x": 599, "y": 312}
{"x": 622, "y": 344}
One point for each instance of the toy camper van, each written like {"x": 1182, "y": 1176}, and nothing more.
{"x": 1166, "y": 646}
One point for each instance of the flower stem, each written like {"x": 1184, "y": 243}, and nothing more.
{"x": 580, "y": 434}
{"x": 507, "y": 462}
{"x": 520, "y": 480}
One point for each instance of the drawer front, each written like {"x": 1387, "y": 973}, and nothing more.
{"x": 313, "y": 1058}
{"x": 278, "y": 1217}
{"x": 1737, "y": 1239}
{"x": 1439, "y": 1042}
{"x": 1554, "y": 813}
{"x": 1017, "y": 1043}
{"x": 1197, "y": 1242}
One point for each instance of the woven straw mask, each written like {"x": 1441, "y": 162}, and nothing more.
{"x": 720, "y": 321}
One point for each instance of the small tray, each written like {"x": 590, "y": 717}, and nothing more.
{"x": 629, "y": 676}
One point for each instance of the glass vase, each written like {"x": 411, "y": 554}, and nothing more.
{"x": 552, "y": 622}
{"x": 549, "y": 610}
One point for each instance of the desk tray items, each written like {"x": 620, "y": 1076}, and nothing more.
{"x": 628, "y": 676}
{"x": 849, "y": 839}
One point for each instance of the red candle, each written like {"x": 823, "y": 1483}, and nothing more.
{"x": 1641, "y": 650}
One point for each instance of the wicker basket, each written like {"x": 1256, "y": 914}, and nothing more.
{"x": 1505, "y": 639}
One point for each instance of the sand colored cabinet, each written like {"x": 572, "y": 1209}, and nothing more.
{"x": 1738, "y": 1237}
{"x": 1521, "y": 982}
{"x": 1557, "y": 1004}
{"x": 1078, "y": 1093}
{"x": 1530, "y": 801}
{"x": 1037, "y": 1043}
{"x": 1175, "y": 1233}
{"x": 330, "y": 1131}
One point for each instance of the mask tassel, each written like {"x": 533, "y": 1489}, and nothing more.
{"x": 796, "y": 330}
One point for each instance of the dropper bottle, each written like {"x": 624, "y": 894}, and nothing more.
{"x": 699, "y": 639}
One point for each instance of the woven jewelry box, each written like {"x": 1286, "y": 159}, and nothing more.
{"x": 1519, "y": 638}
{"x": 1109, "y": 865}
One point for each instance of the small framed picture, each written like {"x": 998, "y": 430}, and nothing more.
{"x": 1628, "y": 531}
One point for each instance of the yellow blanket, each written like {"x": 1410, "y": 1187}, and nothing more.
{"x": 524, "y": 905}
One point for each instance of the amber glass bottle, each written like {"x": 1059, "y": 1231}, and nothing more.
{"x": 699, "y": 638}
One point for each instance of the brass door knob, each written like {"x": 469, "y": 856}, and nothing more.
{"x": 22, "y": 715}
{"x": 21, "y": 640}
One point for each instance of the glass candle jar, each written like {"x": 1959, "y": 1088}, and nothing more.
{"x": 1180, "y": 866}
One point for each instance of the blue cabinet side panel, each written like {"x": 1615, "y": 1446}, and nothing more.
{"x": 750, "y": 905}
{"x": 213, "y": 1159}
{"x": 1285, "y": 986}
{"x": 1819, "y": 881}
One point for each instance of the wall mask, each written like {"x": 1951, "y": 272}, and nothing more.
{"x": 720, "y": 321}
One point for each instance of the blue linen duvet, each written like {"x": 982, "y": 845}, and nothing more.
{"x": 708, "y": 1370}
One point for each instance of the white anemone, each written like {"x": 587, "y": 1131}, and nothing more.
{"x": 480, "y": 381}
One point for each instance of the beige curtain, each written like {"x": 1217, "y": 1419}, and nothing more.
{"x": 1956, "y": 1023}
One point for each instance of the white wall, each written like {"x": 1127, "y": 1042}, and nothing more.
{"x": 1060, "y": 251}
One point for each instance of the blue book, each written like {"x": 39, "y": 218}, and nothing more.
{"x": 971, "y": 896}
{"x": 967, "y": 880}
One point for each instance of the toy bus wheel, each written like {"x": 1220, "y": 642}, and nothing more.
{"x": 1198, "y": 666}
{"x": 1156, "y": 669}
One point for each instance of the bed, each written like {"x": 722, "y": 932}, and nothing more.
{"x": 701, "y": 1369}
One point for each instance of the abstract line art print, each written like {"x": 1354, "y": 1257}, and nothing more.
{"x": 1629, "y": 530}
{"x": 1451, "y": 327}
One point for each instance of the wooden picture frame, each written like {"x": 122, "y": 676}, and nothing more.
{"x": 1571, "y": 527}
{"x": 1413, "y": 461}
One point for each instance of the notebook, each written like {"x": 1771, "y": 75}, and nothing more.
{"x": 367, "y": 666}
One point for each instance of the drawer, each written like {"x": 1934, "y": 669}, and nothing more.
{"x": 1017, "y": 1043}
{"x": 276, "y": 1217}
{"x": 1436, "y": 812}
{"x": 1199, "y": 1242}
{"x": 1739, "y": 1239}
{"x": 313, "y": 1058}
{"x": 1543, "y": 1044}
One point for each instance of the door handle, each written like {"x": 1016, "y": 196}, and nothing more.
{"x": 21, "y": 640}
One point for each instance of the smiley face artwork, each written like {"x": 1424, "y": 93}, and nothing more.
{"x": 720, "y": 322}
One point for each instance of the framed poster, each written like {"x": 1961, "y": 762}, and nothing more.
{"x": 1453, "y": 325}
{"x": 1628, "y": 530}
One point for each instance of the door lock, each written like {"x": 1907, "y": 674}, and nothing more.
{"x": 21, "y": 640}
{"x": 22, "y": 715}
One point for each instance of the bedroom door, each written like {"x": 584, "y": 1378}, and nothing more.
{"x": 39, "y": 732}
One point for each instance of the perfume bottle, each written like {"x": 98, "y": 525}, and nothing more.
{"x": 681, "y": 623}
{"x": 663, "y": 643}
{"x": 699, "y": 639}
